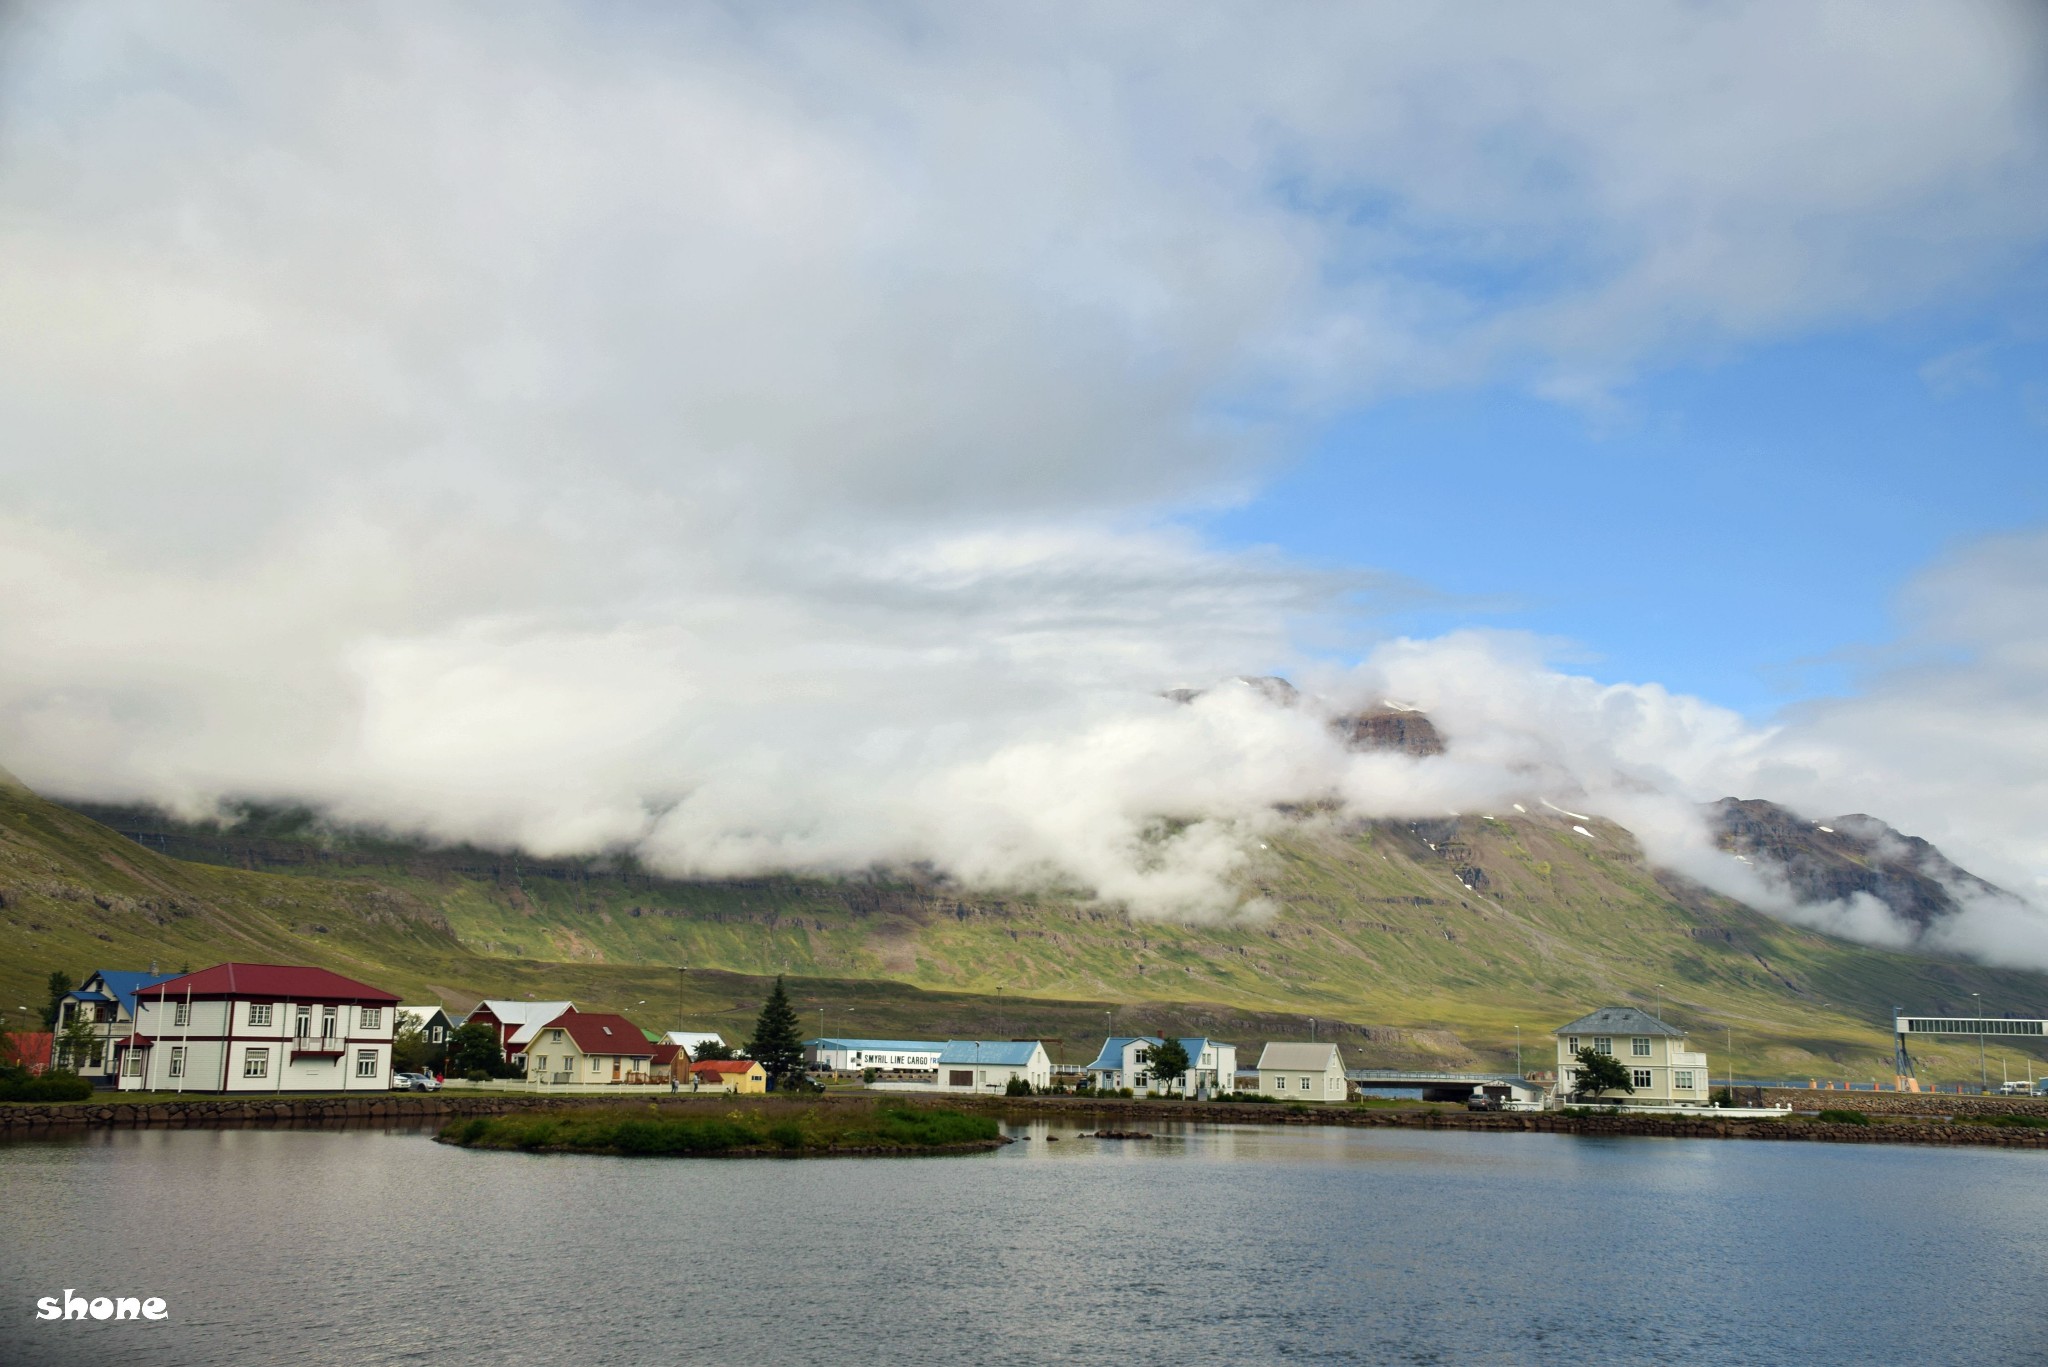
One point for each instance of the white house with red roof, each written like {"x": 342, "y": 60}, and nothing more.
{"x": 588, "y": 1048}
{"x": 260, "y": 1028}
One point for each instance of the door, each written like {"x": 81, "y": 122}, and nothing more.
{"x": 615, "y": 1070}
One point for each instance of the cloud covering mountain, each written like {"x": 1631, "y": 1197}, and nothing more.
{"x": 767, "y": 440}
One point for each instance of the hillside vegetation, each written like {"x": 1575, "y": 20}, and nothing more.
{"x": 1416, "y": 943}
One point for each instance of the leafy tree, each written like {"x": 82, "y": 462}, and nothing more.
{"x": 474, "y": 1048}
{"x": 60, "y": 987}
{"x": 778, "y": 1043}
{"x": 76, "y": 1044}
{"x": 1600, "y": 1073}
{"x": 409, "y": 1044}
{"x": 710, "y": 1051}
{"x": 1170, "y": 1063}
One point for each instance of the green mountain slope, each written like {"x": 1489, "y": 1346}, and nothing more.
{"x": 1446, "y": 935}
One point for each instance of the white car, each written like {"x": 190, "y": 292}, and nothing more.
{"x": 414, "y": 1082}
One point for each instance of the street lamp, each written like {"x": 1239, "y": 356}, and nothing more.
{"x": 1978, "y": 997}
{"x": 1660, "y": 1001}
{"x": 1518, "y": 1052}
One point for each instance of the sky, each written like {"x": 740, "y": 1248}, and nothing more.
{"x": 812, "y": 438}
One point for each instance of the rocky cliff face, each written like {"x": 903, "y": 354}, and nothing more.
{"x": 1834, "y": 860}
{"x": 1389, "y": 729}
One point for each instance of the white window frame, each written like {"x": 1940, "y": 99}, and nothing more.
{"x": 259, "y": 1015}
{"x": 1681, "y": 1081}
{"x": 1639, "y": 1047}
{"x": 330, "y": 1022}
{"x": 1572, "y": 1044}
{"x": 372, "y": 1017}
{"x": 256, "y": 1062}
{"x": 596, "y": 1064}
{"x": 303, "y": 1027}
{"x": 177, "y": 1064}
{"x": 366, "y": 1063}
{"x": 181, "y": 1015}
{"x": 132, "y": 1066}
{"x": 540, "y": 1063}
{"x": 1603, "y": 1044}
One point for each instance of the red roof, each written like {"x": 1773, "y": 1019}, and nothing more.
{"x": 597, "y": 1033}
{"x": 281, "y": 982}
{"x": 666, "y": 1053}
{"x": 723, "y": 1065}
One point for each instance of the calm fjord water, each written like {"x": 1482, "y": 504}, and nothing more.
{"x": 1226, "y": 1245}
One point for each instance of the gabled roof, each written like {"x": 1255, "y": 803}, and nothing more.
{"x": 998, "y": 1052}
{"x": 690, "y": 1039}
{"x": 894, "y": 1046}
{"x": 600, "y": 1033}
{"x": 283, "y": 982}
{"x": 725, "y": 1065}
{"x": 1619, "y": 1020}
{"x": 424, "y": 1011}
{"x": 1112, "y": 1055}
{"x": 522, "y": 1012}
{"x": 1307, "y": 1058}
{"x": 121, "y": 985}
{"x": 666, "y": 1053}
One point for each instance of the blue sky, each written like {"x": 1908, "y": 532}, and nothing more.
{"x": 1737, "y": 528}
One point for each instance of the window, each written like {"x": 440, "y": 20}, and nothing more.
{"x": 959, "y": 1077}
{"x": 256, "y": 1063}
{"x": 373, "y": 1017}
{"x": 133, "y": 1064}
{"x": 1304, "y": 1084}
{"x": 305, "y": 1026}
{"x": 366, "y": 1063}
{"x": 1639, "y": 1047}
{"x": 540, "y": 1063}
{"x": 434, "y": 1035}
{"x": 1682, "y": 1080}
{"x": 177, "y": 1060}
{"x": 1602, "y": 1044}
{"x": 1572, "y": 1045}
{"x": 595, "y": 1063}
{"x": 1640, "y": 1077}
{"x": 181, "y": 1014}
{"x": 259, "y": 1013}
{"x": 554, "y": 1037}
{"x": 328, "y": 1016}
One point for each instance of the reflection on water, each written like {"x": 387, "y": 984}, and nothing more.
{"x": 1228, "y": 1245}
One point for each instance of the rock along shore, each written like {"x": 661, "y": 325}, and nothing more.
{"x": 1929, "y": 1116}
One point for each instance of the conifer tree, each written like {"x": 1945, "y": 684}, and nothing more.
{"x": 777, "y": 1044}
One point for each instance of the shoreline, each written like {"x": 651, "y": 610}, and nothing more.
{"x": 1915, "y": 1124}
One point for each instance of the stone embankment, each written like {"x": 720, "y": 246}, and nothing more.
{"x": 1902, "y": 1103}
{"x": 209, "y": 1112}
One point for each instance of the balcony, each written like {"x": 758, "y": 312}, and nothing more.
{"x": 317, "y": 1046}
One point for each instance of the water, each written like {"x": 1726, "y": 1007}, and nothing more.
{"x": 1228, "y": 1245}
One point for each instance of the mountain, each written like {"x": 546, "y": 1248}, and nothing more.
{"x": 1834, "y": 861}
{"x": 1422, "y": 941}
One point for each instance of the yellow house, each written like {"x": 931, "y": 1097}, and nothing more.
{"x": 742, "y": 1075}
{"x": 1661, "y": 1069}
{"x": 582, "y": 1049}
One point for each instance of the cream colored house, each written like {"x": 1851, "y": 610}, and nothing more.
{"x": 584, "y": 1049}
{"x": 1302, "y": 1072}
{"x": 1662, "y": 1069}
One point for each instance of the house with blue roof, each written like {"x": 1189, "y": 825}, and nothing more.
{"x": 883, "y": 1055}
{"x": 1125, "y": 1061}
{"x": 989, "y": 1066}
{"x": 106, "y": 1002}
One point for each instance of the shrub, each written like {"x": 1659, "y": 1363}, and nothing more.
{"x": 57, "y": 1085}
{"x": 476, "y": 1075}
{"x": 1833, "y": 1117}
{"x": 1017, "y": 1086}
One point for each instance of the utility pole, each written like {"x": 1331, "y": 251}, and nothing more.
{"x": 681, "y": 969}
{"x": 1518, "y": 1052}
{"x": 1660, "y": 1001}
{"x": 1978, "y": 997}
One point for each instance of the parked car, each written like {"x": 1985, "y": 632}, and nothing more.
{"x": 2015, "y": 1088}
{"x": 414, "y": 1082}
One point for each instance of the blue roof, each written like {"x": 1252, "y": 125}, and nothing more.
{"x": 899, "y": 1046}
{"x": 125, "y": 984}
{"x": 1002, "y": 1052}
{"x": 1112, "y": 1055}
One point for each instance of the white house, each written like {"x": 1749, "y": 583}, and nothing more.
{"x": 858, "y": 1055}
{"x": 517, "y": 1022}
{"x": 1125, "y": 1062}
{"x": 106, "y": 1002}
{"x": 260, "y": 1028}
{"x": 1662, "y": 1070}
{"x": 1302, "y": 1072}
{"x": 693, "y": 1040}
{"x": 983, "y": 1066}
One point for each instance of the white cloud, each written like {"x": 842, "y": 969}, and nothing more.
{"x": 757, "y": 435}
